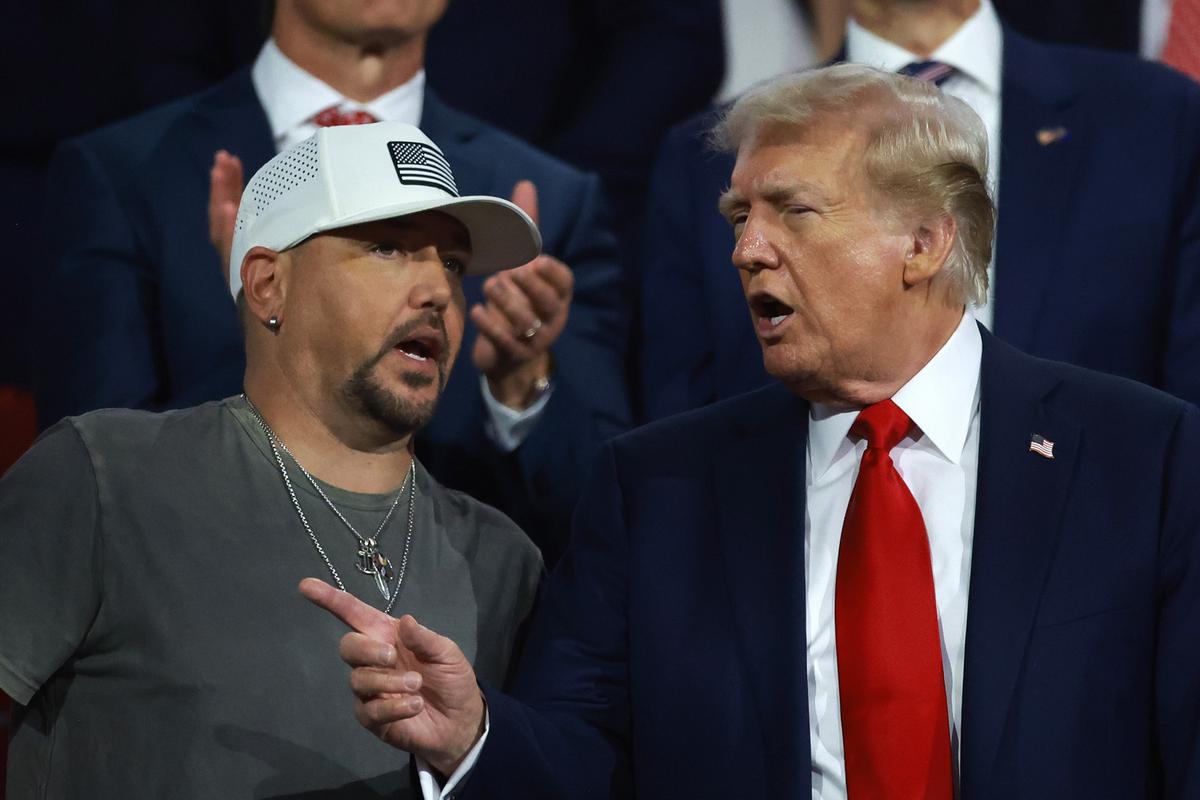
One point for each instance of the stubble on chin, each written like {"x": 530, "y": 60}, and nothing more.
{"x": 400, "y": 414}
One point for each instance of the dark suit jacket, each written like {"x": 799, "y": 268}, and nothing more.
{"x": 1098, "y": 244}
{"x": 1113, "y": 24}
{"x": 142, "y": 317}
{"x": 667, "y": 659}
{"x": 605, "y": 81}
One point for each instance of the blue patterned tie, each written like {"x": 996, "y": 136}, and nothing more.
{"x": 934, "y": 72}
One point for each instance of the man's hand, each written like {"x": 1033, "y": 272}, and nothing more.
{"x": 413, "y": 689}
{"x": 225, "y": 184}
{"x": 525, "y": 313}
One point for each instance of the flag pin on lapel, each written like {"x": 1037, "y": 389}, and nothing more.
{"x": 1048, "y": 136}
{"x": 1041, "y": 445}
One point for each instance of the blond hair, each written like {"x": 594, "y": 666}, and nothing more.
{"x": 926, "y": 151}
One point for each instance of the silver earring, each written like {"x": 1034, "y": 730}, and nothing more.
{"x": 273, "y": 323}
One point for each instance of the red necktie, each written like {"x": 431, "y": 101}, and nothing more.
{"x": 334, "y": 116}
{"x": 895, "y": 726}
{"x": 1182, "y": 50}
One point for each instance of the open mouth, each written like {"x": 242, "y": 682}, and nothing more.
{"x": 421, "y": 346}
{"x": 769, "y": 311}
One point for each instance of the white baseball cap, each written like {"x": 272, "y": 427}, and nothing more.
{"x": 350, "y": 174}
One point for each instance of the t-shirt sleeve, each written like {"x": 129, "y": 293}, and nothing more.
{"x": 49, "y": 560}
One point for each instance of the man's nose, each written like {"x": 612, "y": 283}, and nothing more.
{"x": 432, "y": 287}
{"x": 754, "y": 250}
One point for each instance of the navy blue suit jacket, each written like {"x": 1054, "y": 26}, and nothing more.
{"x": 1098, "y": 240}
{"x": 667, "y": 659}
{"x": 141, "y": 316}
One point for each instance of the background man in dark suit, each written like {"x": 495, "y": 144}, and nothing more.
{"x": 970, "y": 597}
{"x": 146, "y": 320}
{"x": 1071, "y": 131}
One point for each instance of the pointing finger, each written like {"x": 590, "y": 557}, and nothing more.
{"x": 349, "y": 609}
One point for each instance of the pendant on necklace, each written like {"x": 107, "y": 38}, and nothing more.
{"x": 373, "y": 562}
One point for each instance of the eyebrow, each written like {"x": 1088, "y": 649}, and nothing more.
{"x": 774, "y": 193}
{"x": 728, "y": 202}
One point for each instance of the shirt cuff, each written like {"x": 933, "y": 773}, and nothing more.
{"x": 429, "y": 785}
{"x": 504, "y": 426}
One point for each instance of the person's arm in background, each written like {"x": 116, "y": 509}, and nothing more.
{"x": 1177, "y": 681}
{"x": 1181, "y": 358}
{"x": 96, "y": 342}
{"x": 675, "y": 355}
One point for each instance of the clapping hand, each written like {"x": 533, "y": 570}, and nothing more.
{"x": 225, "y": 184}
{"x": 412, "y": 688}
{"x": 525, "y": 313}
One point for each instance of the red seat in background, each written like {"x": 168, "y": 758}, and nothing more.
{"x": 18, "y": 428}
{"x": 18, "y": 424}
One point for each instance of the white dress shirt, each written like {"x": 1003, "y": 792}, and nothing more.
{"x": 1156, "y": 21}
{"x": 975, "y": 51}
{"x": 291, "y": 98}
{"x": 939, "y": 467}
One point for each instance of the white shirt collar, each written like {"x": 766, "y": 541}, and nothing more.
{"x": 291, "y": 97}
{"x": 941, "y": 399}
{"x": 974, "y": 49}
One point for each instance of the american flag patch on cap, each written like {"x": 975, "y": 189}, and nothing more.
{"x": 419, "y": 164}
{"x": 1041, "y": 445}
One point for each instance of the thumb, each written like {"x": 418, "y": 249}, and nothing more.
{"x": 524, "y": 197}
{"x": 427, "y": 646}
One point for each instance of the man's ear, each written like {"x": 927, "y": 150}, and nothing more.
{"x": 929, "y": 247}
{"x": 264, "y": 285}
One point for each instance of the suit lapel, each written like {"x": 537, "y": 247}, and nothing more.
{"x": 455, "y": 133}
{"x": 230, "y": 116}
{"x": 1018, "y": 511}
{"x": 1040, "y": 154}
{"x": 759, "y": 486}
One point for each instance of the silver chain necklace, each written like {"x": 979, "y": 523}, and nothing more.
{"x": 370, "y": 560}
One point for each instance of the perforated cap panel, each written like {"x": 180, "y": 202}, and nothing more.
{"x": 296, "y": 167}
{"x": 353, "y": 174}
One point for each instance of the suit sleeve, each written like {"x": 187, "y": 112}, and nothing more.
{"x": 94, "y": 293}
{"x": 563, "y": 732}
{"x": 676, "y": 349}
{"x": 1181, "y": 362}
{"x": 1178, "y": 659}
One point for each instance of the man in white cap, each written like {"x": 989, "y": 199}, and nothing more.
{"x": 150, "y": 629}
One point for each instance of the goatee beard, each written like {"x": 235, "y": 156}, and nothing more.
{"x": 400, "y": 415}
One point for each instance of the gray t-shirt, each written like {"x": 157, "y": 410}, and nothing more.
{"x": 152, "y": 632}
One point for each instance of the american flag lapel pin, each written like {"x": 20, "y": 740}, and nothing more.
{"x": 1048, "y": 136}
{"x": 1041, "y": 445}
